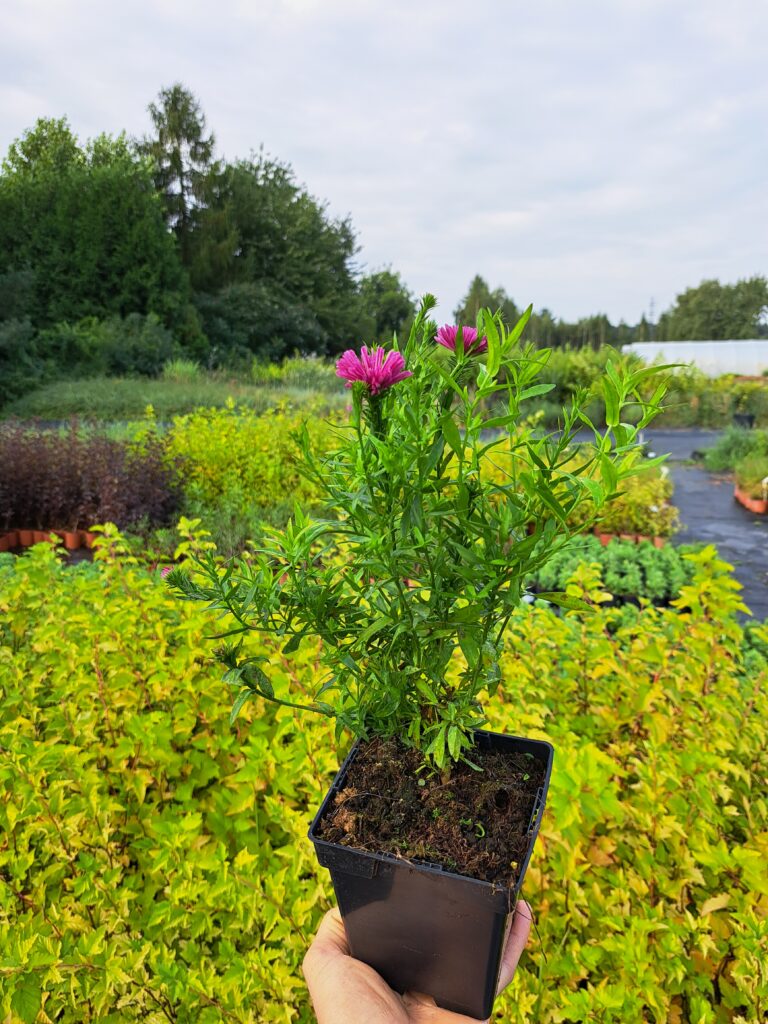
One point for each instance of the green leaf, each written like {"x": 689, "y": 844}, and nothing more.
{"x": 573, "y": 604}
{"x": 470, "y": 648}
{"x": 426, "y": 691}
{"x": 26, "y": 998}
{"x": 536, "y": 389}
{"x": 451, "y": 434}
{"x": 240, "y": 700}
{"x": 454, "y": 741}
{"x": 293, "y": 644}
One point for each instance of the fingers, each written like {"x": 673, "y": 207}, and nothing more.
{"x": 516, "y": 942}
{"x": 424, "y": 1010}
{"x": 330, "y": 942}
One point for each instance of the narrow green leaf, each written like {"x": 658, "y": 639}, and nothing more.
{"x": 563, "y": 600}
{"x": 240, "y": 700}
{"x": 451, "y": 434}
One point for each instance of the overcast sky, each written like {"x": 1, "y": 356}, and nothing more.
{"x": 585, "y": 156}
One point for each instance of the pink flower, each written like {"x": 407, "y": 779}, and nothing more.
{"x": 165, "y": 570}
{"x": 377, "y": 369}
{"x": 447, "y": 335}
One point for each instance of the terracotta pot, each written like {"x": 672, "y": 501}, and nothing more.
{"x": 628, "y": 536}
{"x": 757, "y": 505}
{"x": 605, "y": 538}
{"x": 41, "y": 536}
{"x": 641, "y": 537}
{"x": 71, "y": 538}
{"x": 659, "y": 542}
{"x": 88, "y": 538}
{"x": 4, "y": 541}
{"x": 26, "y": 538}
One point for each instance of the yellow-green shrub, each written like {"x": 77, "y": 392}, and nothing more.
{"x": 240, "y": 468}
{"x": 643, "y": 506}
{"x": 154, "y": 864}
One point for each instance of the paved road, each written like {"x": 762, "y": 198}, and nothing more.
{"x": 709, "y": 513}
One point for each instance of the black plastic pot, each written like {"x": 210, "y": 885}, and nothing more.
{"x": 420, "y": 927}
{"x": 745, "y": 420}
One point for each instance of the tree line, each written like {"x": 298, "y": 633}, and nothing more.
{"x": 710, "y": 311}
{"x": 118, "y": 254}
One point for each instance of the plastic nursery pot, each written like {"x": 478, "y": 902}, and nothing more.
{"x": 659, "y": 542}
{"x": 89, "y": 538}
{"x": 745, "y": 420}
{"x": 423, "y": 928}
{"x": 26, "y": 538}
{"x": 757, "y": 505}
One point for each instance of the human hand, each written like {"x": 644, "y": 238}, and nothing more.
{"x": 347, "y": 991}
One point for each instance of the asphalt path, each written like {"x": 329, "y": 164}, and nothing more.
{"x": 709, "y": 512}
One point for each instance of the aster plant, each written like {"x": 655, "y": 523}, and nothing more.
{"x": 439, "y": 507}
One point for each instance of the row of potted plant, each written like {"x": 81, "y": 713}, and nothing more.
{"x": 629, "y": 571}
{"x": 71, "y": 539}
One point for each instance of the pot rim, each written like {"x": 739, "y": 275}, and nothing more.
{"x": 428, "y": 866}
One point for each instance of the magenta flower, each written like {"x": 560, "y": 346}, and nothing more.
{"x": 165, "y": 570}
{"x": 447, "y": 335}
{"x": 377, "y": 369}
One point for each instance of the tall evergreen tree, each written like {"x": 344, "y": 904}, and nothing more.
{"x": 181, "y": 151}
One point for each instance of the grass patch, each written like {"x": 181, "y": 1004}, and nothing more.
{"x": 123, "y": 398}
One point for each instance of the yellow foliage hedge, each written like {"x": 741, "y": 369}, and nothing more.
{"x": 154, "y": 864}
{"x": 238, "y": 466}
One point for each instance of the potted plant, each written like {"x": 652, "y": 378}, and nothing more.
{"x": 751, "y": 488}
{"x": 407, "y": 585}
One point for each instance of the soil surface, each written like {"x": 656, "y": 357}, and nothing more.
{"x": 473, "y": 824}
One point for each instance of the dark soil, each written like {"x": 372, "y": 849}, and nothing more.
{"x": 474, "y": 824}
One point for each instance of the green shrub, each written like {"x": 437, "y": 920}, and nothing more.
{"x": 750, "y": 473}
{"x": 154, "y": 864}
{"x": 735, "y": 444}
{"x": 306, "y": 372}
{"x": 117, "y": 346}
{"x": 20, "y": 366}
{"x": 181, "y": 371}
{"x": 628, "y": 570}
{"x": 240, "y": 469}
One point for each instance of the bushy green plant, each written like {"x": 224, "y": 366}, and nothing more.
{"x": 307, "y": 372}
{"x": 20, "y": 365}
{"x": 154, "y": 864}
{"x": 735, "y": 444}
{"x": 425, "y": 558}
{"x": 752, "y": 476}
{"x": 628, "y": 570}
{"x": 240, "y": 469}
{"x": 181, "y": 371}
